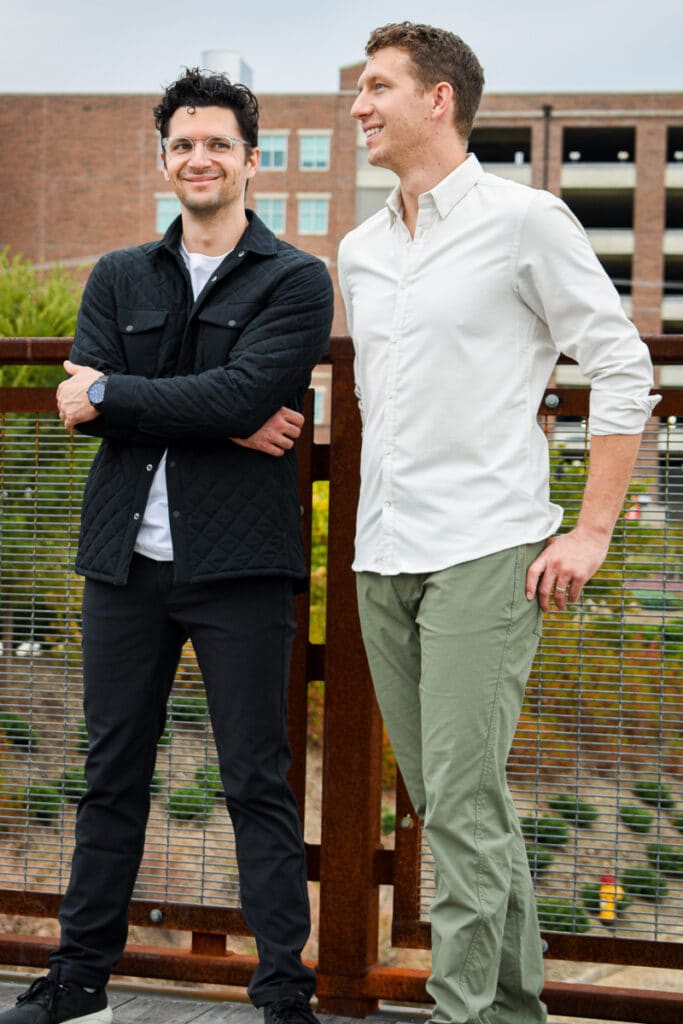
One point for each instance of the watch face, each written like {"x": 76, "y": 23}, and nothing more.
{"x": 96, "y": 391}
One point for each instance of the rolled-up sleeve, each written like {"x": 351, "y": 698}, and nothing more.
{"x": 561, "y": 279}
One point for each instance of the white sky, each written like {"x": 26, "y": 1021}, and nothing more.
{"x": 299, "y": 45}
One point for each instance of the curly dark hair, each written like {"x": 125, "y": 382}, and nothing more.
{"x": 197, "y": 88}
{"x": 437, "y": 55}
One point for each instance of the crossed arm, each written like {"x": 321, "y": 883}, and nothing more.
{"x": 274, "y": 437}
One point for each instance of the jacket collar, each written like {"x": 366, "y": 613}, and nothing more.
{"x": 257, "y": 237}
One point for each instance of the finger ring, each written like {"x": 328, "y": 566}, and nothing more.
{"x": 560, "y": 590}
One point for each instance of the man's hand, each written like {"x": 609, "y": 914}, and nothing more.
{"x": 568, "y": 561}
{"x": 564, "y": 567}
{"x": 277, "y": 434}
{"x": 72, "y": 395}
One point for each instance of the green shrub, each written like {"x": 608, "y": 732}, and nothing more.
{"x": 35, "y": 304}
{"x": 42, "y": 803}
{"x": 590, "y": 897}
{"x": 388, "y": 820}
{"x": 654, "y": 792}
{"x": 668, "y": 859}
{"x": 645, "y": 883}
{"x": 539, "y": 858}
{"x": 638, "y": 819}
{"x": 188, "y": 709}
{"x": 18, "y": 731}
{"x": 557, "y": 915}
{"x": 574, "y": 810}
{"x": 72, "y": 785}
{"x": 190, "y": 804}
{"x": 208, "y": 777}
{"x": 551, "y": 831}
{"x": 156, "y": 786}
{"x": 677, "y": 822}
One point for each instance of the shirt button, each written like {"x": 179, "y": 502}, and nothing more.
{"x": 136, "y": 515}
{"x": 214, "y": 279}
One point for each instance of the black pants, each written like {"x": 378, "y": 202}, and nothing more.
{"x": 242, "y": 633}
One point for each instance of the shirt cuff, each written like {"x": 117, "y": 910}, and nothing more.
{"x": 612, "y": 414}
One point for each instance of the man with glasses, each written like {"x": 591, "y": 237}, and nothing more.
{"x": 190, "y": 360}
{"x": 461, "y": 293}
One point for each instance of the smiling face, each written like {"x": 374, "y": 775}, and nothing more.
{"x": 208, "y": 184}
{"x": 394, "y": 111}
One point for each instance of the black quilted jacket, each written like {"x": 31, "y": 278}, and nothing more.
{"x": 187, "y": 375}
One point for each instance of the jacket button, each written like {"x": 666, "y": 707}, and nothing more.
{"x": 136, "y": 515}
{"x": 213, "y": 279}
{"x": 241, "y": 253}
{"x": 232, "y": 323}
{"x": 172, "y": 464}
{"x": 129, "y": 327}
{"x": 176, "y": 514}
{"x": 149, "y": 467}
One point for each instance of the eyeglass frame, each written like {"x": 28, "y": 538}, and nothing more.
{"x": 232, "y": 139}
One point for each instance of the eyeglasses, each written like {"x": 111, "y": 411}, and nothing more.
{"x": 215, "y": 146}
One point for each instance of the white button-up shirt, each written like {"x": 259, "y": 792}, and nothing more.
{"x": 456, "y": 333}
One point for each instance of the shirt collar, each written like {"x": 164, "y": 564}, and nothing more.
{"x": 256, "y": 238}
{"x": 447, "y": 193}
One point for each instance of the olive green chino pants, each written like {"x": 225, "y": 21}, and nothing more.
{"x": 450, "y": 653}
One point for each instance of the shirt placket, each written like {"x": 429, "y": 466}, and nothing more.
{"x": 408, "y": 252}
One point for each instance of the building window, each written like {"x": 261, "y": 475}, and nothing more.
{"x": 314, "y": 152}
{"x": 314, "y": 215}
{"x": 273, "y": 212}
{"x": 273, "y": 147}
{"x": 168, "y": 208}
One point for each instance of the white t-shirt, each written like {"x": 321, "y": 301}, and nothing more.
{"x": 154, "y": 537}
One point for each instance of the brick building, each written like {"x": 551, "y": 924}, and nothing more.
{"x": 81, "y": 176}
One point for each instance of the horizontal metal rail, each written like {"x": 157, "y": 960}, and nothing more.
{"x": 349, "y": 862}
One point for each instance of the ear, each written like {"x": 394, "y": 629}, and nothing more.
{"x": 253, "y": 162}
{"x": 163, "y": 166}
{"x": 442, "y": 99}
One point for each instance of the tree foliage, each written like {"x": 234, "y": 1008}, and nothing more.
{"x": 38, "y": 504}
{"x": 35, "y": 304}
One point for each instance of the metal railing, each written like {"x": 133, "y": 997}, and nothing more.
{"x": 596, "y": 769}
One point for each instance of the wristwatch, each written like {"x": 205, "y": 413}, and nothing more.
{"x": 96, "y": 391}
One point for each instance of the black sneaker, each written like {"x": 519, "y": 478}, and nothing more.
{"x": 49, "y": 1002}
{"x": 290, "y": 1010}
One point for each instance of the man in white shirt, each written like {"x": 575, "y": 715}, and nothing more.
{"x": 460, "y": 295}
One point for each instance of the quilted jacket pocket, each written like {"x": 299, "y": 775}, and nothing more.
{"x": 140, "y": 331}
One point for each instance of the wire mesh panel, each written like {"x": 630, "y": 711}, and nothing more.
{"x": 596, "y": 768}
{"x": 190, "y": 851}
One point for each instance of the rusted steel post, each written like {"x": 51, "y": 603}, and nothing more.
{"x": 349, "y": 894}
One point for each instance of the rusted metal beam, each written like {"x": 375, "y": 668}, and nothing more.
{"x": 606, "y": 1002}
{"x": 41, "y": 351}
{"x": 639, "y": 1006}
{"x": 350, "y": 826}
{"x": 28, "y": 400}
